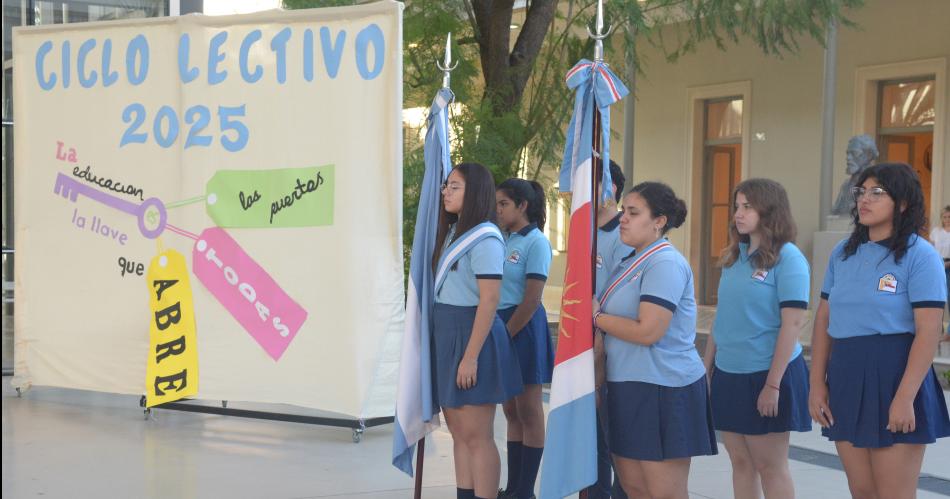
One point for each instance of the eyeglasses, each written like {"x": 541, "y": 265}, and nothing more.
{"x": 874, "y": 194}
{"x": 454, "y": 186}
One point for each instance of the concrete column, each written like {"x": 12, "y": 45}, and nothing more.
{"x": 828, "y": 124}
{"x": 629, "y": 121}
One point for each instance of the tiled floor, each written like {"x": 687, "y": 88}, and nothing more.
{"x": 73, "y": 444}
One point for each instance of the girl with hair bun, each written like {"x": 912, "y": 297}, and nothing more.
{"x": 520, "y": 206}
{"x": 657, "y": 401}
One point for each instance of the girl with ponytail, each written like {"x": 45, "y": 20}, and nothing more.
{"x": 520, "y": 212}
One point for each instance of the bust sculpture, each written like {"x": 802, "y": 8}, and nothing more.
{"x": 862, "y": 151}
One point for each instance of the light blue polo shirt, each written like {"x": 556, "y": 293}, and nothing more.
{"x": 610, "y": 250}
{"x": 483, "y": 261}
{"x": 664, "y": 279}
{"x": 527, "y": 256}
{"x": 749, "y": 314}
{"x": 869, "y": 293}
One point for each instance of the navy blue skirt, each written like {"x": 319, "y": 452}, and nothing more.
{"x": 533, "y": 346}
{"x": 650, "y": 422}
{"x": 864, "y": 373}
{"x": 735, "y": 399}
{"x": 498, "y": 377}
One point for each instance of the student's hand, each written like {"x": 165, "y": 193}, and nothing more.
{"x": 818, "y": 405}
{"x": 596, "y": 308}
{"x": 467, "y": 373}
{"x": 768, "y": 402}
{"x": 900, "y": 418}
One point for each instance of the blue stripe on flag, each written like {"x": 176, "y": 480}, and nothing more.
{"x": 570, "y": 452}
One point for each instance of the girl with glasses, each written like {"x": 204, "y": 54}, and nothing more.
{"x": 873, "y": 388}
{"x": 474, "y": 363}
{"x": 759, "y": 379}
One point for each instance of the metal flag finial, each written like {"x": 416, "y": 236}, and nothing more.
{"x": 600, "y": 34}
{"x": 447, "y": 66}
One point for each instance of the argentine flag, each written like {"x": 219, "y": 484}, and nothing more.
{"x": 416, "y": 413}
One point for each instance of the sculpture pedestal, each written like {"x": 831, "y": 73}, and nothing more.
{"x": 822, "y": 243}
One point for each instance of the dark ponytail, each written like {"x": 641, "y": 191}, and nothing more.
{"x": 537, "y": 208}
{"x": 527, "y": 191}
{"x": 662, "y": 201}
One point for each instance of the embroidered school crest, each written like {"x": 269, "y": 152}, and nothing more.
{"x": 887, "y": 283}
{"x": 760, "y": 275}
{"x": 514, "y": 257}
{"x": 600, "y": 261}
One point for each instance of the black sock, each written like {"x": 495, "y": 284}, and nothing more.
{"x": 514, "y": 465}
{"x": 465, "y": 493}
{"x": 530, "y": 462}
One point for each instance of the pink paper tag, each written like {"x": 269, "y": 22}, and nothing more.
{"x": 247, "y": 291}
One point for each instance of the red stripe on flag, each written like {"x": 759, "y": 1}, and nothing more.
{"x": 576, "y": 330}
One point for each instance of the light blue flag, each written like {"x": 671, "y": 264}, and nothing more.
{"x": 594, "y": 84}
{"x": 415, "y": 410}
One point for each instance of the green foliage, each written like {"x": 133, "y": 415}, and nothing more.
{"x": 527, "y": 139}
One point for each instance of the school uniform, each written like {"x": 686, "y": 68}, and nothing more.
{"x": 657, "y": 401}
{"x": 610, "y": 251}
{"x": 477, "y": 254}
{"x": 528, "y": 256}
{"x": 871, "y": 303}
{"x": 746, "y": 330}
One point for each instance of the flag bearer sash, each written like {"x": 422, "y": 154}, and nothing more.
{"x": 463, "y": 245}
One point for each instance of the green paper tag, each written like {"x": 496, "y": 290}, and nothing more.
{"x": 286, "y": 197}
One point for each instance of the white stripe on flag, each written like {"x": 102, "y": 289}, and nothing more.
{"x": 580, "y": 184}
{"x": 409, "y": 389}
{"x": 572, "y": 379}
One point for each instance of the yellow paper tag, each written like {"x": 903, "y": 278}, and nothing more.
{"x": 172, "y": 369}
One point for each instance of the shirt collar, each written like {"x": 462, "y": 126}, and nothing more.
{"x": 527, "y": 230}
{"x": 612, "y": 224}
{"x": 744, "y": 251}
{"x": 632, "y": 253}
{"x": 885, "y": 242}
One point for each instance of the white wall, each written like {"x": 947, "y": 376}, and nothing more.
{"x": 786, "y": 101}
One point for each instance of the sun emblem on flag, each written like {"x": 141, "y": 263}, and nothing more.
{"x": 566, "y": 302}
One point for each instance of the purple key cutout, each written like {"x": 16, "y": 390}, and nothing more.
{"x": 70, "y": 189}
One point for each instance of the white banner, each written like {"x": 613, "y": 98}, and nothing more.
{"x": 266, "y": 149}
